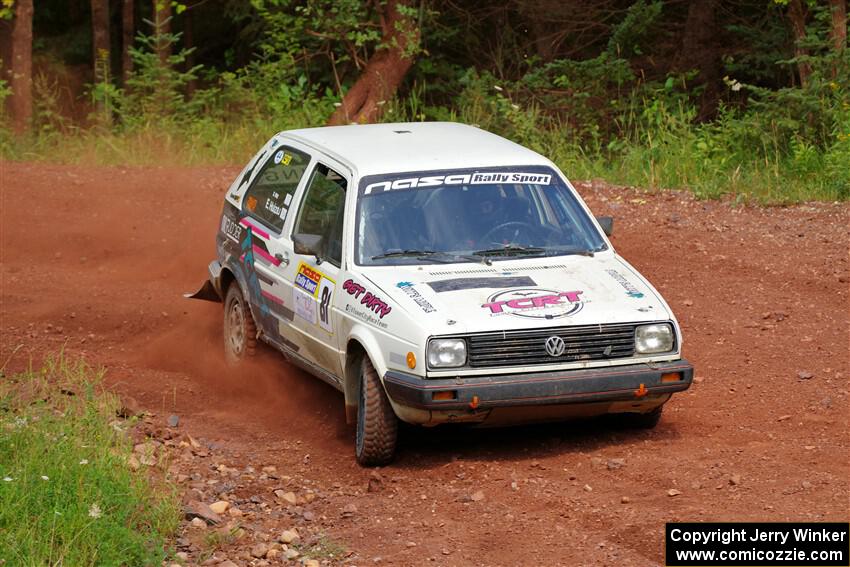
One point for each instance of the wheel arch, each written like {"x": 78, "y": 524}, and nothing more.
{"x": 233, "y": 273}
{"x": 360, "y": 343}
{"x": 225, "y": 279}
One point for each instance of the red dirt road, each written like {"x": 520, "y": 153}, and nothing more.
{"x": 96, "y": 259}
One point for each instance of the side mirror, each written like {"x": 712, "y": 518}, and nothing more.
{"x": 307, "y": 244}
{"x": 607, "y": 224}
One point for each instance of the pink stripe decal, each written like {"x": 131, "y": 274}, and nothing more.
{"x": 274, "y": 298}
{"x": 254, "y": 228}
{"x": 260, "y": 252}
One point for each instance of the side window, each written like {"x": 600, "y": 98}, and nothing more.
{"x": 268, "y": 198}
{"x": 322, "y": 210}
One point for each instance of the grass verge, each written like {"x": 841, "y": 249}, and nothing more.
{"x": 68, "y": 496}
{"x": 686, "y": 158}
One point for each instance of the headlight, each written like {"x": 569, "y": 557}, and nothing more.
{"x": 651, "y": 339}
{"x": 446, "y": 353}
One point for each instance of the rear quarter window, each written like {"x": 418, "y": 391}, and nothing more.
{"x": 270, "y": 195}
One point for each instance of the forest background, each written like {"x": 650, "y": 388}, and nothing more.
{"x": 747, "y": 98}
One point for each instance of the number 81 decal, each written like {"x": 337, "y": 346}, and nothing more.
{"x": 325, "y": 297}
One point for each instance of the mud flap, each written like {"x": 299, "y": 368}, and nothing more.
{"x": 206, "y": 293}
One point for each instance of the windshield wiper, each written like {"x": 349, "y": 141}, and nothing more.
{"x": 589, "y": 252}
{"x": 411, "y": 254}
{"x": 447, "y": 257}
{"x": 573, "y": 252}
{"x": 510, "y": 250}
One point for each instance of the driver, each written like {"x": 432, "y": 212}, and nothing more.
{"x": 490, "y": 212}
{"x": 503, "y": 217}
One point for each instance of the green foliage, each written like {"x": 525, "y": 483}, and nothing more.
{"x": 602, "y": 108}
{"x": 155, "y": 90}
{"x": 48, "y": 120}
{"x": 631, "y": 32}
{"x": 5, "y": 89}
{"x": 6, "y": 141}
{"x": 7, "y": 9}
{"x": 69, "y": 497}
{"x": 769, "y": 40}
{"x": 321, "y": 40}
{"x": 323, "y": 548}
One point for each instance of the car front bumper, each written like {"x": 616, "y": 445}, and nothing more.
{"x": 635, "y": 383}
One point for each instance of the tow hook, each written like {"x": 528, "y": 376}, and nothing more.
{"x": 641, "y": 392}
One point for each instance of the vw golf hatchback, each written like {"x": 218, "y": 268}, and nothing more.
{"x": 436, "y": 273}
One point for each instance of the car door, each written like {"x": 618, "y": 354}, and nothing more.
{"x": 314, "y": 278}
{"x": 265, "y": 218}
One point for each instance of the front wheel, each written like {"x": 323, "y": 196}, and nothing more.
{"x": 240, "y": 332}
{"x": 377, "y": 424}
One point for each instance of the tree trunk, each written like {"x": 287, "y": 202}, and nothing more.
{"x": 100, "y": 39}
{"x": 162, "y": 27}
{"x": 797, "y": 17}
{"x": 128, "y": 33}
{"x": 21, "y": 75}
{"x": 838, "y": 32}
{"x": 384, "y": 72}
{"x": 838, "y": 9}
{"x": 699, "y": 51}
{"x": 189, "y": 44}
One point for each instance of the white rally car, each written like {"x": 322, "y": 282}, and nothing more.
{"x": 434, "y": 272}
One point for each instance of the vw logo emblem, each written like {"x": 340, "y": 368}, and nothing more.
{"x": 555, "y": 346}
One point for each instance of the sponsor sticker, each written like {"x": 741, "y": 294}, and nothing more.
{"x": 305, "y": 306}
{"x": 631, "y": 290}
{"x": 411, "y": 291}
{"x": 319, "y": 288}
{"x": 231, "y": 228}
{"x": 367, "y": 298}
{"x": 364, "y": 316}
{"x": 535, "y": 303}
{"x": 282, "y": 157}
{"x": 459, "y": 179}
{"x": 308, "y": 279}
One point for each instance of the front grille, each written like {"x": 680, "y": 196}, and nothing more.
{"x": 528, "y": 347}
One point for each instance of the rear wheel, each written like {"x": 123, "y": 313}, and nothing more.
{"x": 240, "y": 332}
{"x": 377, "y": 424}
{"x": 643, "y": 420}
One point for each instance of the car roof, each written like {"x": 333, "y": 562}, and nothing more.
{"x": 415, "y": 146}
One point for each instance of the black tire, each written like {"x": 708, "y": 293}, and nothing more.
{"x": 240, "y": 332}
{"x": 643, "y": 420}
{"x": 377, "y": 424}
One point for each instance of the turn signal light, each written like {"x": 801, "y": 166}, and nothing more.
{"x": 411, "y": 360}
{"x": 444, "y": 395}
{"x": 671, "y": 377}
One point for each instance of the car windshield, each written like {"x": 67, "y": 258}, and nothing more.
{"x": 480, "y": 215}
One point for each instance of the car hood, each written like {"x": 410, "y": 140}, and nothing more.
{"x": 568, "y": 290}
